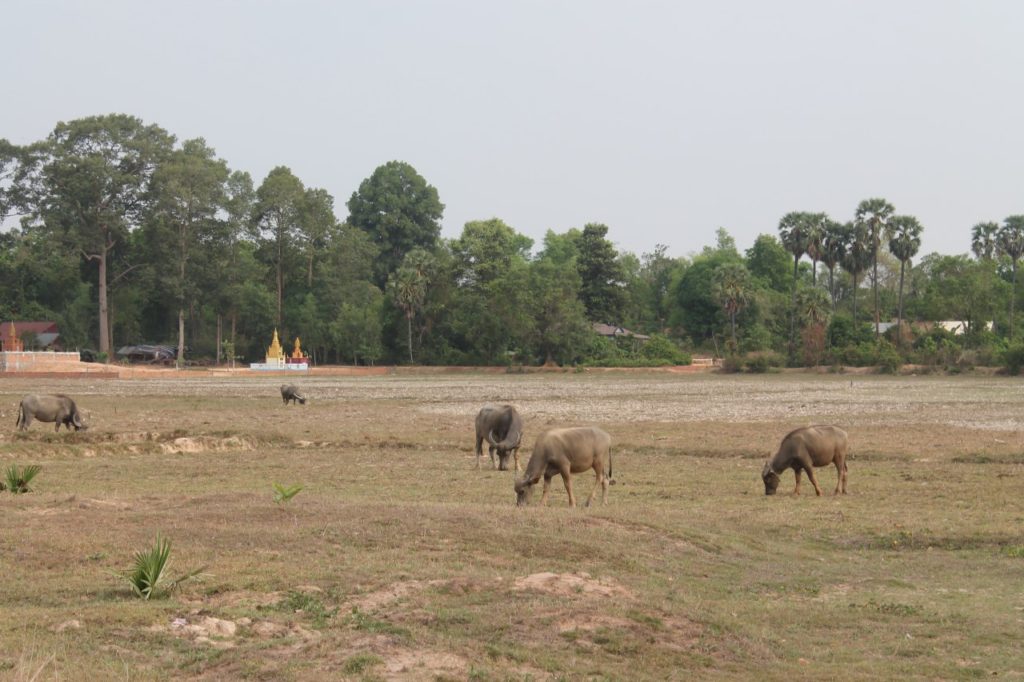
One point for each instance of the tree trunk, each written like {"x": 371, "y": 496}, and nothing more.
{"x": 1013, "y": 297}
{"x": 792, "y": 310}
{"x": 234, "y": 350}
{"x": 181, "y": 337}
{"x": 732, "y": 320}
{"x": 855, "y": 300}
{"x": 832, "y": 287}
{"x": 899, "y": 316}
{"x": 408, "y": 322}
{"x": 875, "y": 287}
{"x": 104, "y": 305}
{"x": 220, "y": 333}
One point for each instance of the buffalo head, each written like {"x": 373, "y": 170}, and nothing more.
{"x": 504, "y": 448}
{"x": 770, "y": 478}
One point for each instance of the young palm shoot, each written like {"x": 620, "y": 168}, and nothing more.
{"x": 17, "y": 480}
{"x": 284, "y": 494}
{"x": 149, "y": 578}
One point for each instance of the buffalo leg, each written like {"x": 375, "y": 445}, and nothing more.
{"x": 567, "y": 479}
{"x": 479, "y": 451}
{"x": 544, "y": 495}
{"x": 814, "y": 481}
{"x": 597, "y": 484}
{"x": 797, "y": 472}
{"x": 839, "y": 477}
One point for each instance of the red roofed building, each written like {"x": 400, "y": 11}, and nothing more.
{"x": 13, "y": 333}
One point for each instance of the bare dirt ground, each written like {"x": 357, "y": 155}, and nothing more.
{"x": 399, "y": 560}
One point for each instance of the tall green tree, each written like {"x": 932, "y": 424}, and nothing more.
{"x": 601, "y": 290}
{"x": 794, "y": 232}
{"x": 732, "y": 289}
{"x": 816, "y": 223}
{"x": 833, "y": 247}
{"x": 768, "y": 261}
{"x": 190, "y": 190}
{"x": 277, "y": 223}
{"x": 560, "y": 325}
{"x": 400, "y": 212}
{"x": 984, "y": 242}
{"x": 904, "y": 242}
{"x": 93, "y": 189}
{"x": 408, "y": 287}
{"x": 874, "y": 214}
{"x": 857, "y": 257}
{"x": 1010, "y": 243}
{"x": 317, "y": 224}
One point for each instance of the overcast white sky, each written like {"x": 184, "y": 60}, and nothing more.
{"x": 664, "y": 120}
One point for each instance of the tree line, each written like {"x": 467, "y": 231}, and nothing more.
{"x": 123, "y": 234}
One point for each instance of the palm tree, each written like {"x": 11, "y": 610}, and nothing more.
{"x": 833, "y": 248}
{"x": 874, "y": 214}
{"x": 793, "y": 232}
{"x": 904, "y": 242}
{"x": 815, "y": 233}
{"x": 857, "y": 256}
{"x": 409, "y": 284}
{"x": 732, "y": 288}
{"x": 983, "y": 240}
{"x": 1010, "y": 243}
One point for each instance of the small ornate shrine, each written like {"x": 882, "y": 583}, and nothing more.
{"x": 11, "y": 343}
{"x": 277, "y": 360}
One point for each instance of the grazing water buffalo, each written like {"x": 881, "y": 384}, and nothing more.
{"x": 59, "y": 409}
{"x": 565, "y": 452}
{"x": 290, "y": 392}
{"x": 502, "y": 427}
{"x": 804, "y": 449}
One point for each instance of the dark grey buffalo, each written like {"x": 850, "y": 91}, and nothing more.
{"x": 291, "y": 393}
{"x": 502, "y": 428}
{"x": 59, "y": 409}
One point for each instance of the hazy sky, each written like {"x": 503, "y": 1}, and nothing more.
{"x": 663, "y": 120}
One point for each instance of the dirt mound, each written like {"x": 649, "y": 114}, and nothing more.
{"x": 567, "y": 584}
{"x": 372, "y": 601}
{"x": 220, "y": 633}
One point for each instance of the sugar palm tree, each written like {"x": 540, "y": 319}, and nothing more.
{"x": 1010, "y": 243}
{"x": 833, "y": 248}
{"x": 732, "y": 289}
{"x": 857, "y": 257}
{"x": 983, "y": 240}
{"x": 904, "y": 242}
{"x": 874, "y": 214}
{"x": 815, "y": 233}
{"x": 794, "y": 228}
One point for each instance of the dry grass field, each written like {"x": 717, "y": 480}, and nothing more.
{"x": 399, "y": 560}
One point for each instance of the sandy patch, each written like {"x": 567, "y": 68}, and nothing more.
{"x": 371, "y": 601}
{"x": 567, "y": 584}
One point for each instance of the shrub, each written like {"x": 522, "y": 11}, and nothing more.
{"x": 1013, "y": 358}
{"x": 731, "y": 364}
{"x": 16, "y": 480}
{"x": 285, "y": 493}
{"x": 660, "y": 347}
{"x": 888, "y": 358}
{"x": 148, "y": 577}
{"x": 759, "y": 363}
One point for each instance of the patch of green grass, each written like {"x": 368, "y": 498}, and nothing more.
{"x": 1014, "y": 551}
{"x": 308, "y": 605}
{"x": 360, "y": 663}
{"x": 364, "y": 622}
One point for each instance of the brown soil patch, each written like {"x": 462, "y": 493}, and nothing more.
{"x": 567, "y": 584}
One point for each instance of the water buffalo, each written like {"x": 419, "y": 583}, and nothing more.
{"x": 804, "y": 449}
{"x": 59, "y": 409}
{"x": 502, "y": 427}
{"x": 565, "y": 452}
{"x": 290, "y": 392}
